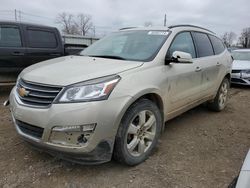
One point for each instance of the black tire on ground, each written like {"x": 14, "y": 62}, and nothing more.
{"x": 121, "y": 151}
{"x": 222, "y": 95}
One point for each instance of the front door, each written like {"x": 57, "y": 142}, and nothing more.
{"x": 185, "y": 79}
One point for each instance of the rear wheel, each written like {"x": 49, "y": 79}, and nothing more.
{"x": 220, "y": 101}
{"x": 138, "y": 133}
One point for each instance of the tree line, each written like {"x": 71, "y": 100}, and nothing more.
{"x": 80, "y": 24}
{"x": 243, "y": 40}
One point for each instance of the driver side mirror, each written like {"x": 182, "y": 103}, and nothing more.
{"x": 180, "y": 57}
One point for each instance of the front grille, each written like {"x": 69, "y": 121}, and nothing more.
{"x": 237, "y": 80}
{"x": 34, "y": 94}
{"x": 236, "y": 71}
{"x": 30, "y": 130}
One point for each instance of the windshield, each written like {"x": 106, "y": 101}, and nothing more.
{"x": 128, "y": 45}
{"x": 242, "y": 56}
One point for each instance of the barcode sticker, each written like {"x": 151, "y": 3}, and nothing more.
{"x": 158, "y": 33}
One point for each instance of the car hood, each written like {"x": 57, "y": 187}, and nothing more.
{"x": 241, "y": 65}
{"x": 73, "y": 69}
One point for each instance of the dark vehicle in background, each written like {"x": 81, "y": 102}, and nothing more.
{"x": 23, "y": 44}
{"x": 241, "y": 67}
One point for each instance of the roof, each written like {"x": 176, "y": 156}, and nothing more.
{"x": 161, "y": 28}
{"x": 24, "y": 23}
{"x": 188, "y": 25}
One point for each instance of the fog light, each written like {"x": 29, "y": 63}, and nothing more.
{"x": 74, "y": 135}
{"x": 76, "y": 128}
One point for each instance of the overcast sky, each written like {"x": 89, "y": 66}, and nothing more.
{"x": 108, "y": 15}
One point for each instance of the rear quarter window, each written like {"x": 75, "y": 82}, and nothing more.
{"x": 41, "y": 39}
{"x": 203, "y": 44}
{"x": 217, "y": 44}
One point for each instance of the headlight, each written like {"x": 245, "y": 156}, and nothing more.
{"x": 93, "y": 90}
{"x": 245, "y": 74}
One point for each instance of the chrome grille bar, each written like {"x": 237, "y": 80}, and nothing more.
{"x": 37, "y": 95}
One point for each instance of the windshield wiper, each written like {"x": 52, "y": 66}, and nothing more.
{"x": 108, "y": 56}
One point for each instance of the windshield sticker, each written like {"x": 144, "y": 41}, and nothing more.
{"x": 158, "y": 33}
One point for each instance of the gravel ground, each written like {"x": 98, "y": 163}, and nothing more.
{"x": 197, "y": 149}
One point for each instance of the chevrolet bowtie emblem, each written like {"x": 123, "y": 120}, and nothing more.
{"x": 22, "y": 92}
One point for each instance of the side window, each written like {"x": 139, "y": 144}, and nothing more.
{"x": 217, "y": 44}
{"x": 182, "y": 42}
{"x": 10, "y": 37}
{"x": 203, "y": 44}
{"x": 41, "y": 39}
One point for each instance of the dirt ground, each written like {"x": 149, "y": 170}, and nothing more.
{"x": 198, "y": 149}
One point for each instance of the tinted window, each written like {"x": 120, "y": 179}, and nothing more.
{"x": 10, "y": 37}
{"x": 41, "y": 39}
{"x": 182, "y": 42}
{"x": 203, "y": 45}
{"x": 217, "y": 44}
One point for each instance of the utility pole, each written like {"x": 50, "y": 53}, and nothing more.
{"x": 19, "y": 15}
{"x": 94, "y": 31}
{"x": 15, "y": 15}
{"x": 165, "y": 20}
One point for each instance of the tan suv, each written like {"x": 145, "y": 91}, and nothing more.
{"x": 114, "y": 98}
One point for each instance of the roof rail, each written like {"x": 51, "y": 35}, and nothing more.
{"x": 187, "y": 25}
{"x": 124, "y": 28}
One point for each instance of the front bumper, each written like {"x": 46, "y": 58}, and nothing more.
{"x": 237, "y": 79}
{"x": 98, "y": 149}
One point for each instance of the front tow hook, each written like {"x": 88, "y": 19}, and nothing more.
{"x": 6, "y": 103}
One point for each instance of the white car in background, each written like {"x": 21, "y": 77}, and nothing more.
{"x": 243, "y": 181}
{"x": 241, "y": 67}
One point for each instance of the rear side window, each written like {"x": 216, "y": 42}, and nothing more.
{"x": 10, "y": 37}
{"x": 183, "y": 42}
{"x": 203, "y": 44}
{"x": 217, "y": 44}
{"x": 41, "y": 39}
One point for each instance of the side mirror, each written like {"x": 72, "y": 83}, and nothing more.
{"x": 180, "y": 57}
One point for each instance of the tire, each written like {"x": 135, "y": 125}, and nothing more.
{"x": 220, "y": 101}
{"x": 138, "y": 133}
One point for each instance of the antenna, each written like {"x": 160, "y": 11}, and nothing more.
{"x": 165, "y": 20}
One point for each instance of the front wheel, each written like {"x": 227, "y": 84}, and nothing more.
{"x": 220, "y": 101}
{"x": 138, "y": 133}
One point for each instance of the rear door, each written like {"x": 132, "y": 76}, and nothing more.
{"x": 208, "y": 61}
{"x": 42, "y": 44}
{"x": 12, "y": 48}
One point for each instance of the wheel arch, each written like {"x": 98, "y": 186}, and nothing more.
{"x": 150, "y": 94}
{"x": 228, "y": 76}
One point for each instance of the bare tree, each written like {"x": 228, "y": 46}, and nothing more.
{"x": 148, "y": 24}
{"x": 244, "y": 39}
{"x": 67, "y": 22}
{"x": 228, "y": 38}
{"x": 84, "y": 23}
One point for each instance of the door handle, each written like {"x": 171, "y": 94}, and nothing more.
{"x": 18, "y": 53}
{"x": 218, "y": 64}
{"x": 198, "y": 69}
